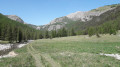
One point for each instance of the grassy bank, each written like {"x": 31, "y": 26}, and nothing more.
{"x": 23, "y": 59}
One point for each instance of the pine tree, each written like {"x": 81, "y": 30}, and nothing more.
{"x": 46, "y": 35}
{"x": 91, "y": 31}
{"x": 72, "y": 32}
{"x": 64, "y": 32}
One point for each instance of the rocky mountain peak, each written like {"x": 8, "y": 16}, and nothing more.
{"x": 16, "y": 18}
{"x": 87, "y": 15}
{"x": 84, "y": 15}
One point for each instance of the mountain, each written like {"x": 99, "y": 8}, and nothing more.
{"x": 16, "y": 18}
{"x": 80, "y": 19}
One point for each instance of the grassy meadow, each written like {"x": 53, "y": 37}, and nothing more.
{"x": 74, "y": 51}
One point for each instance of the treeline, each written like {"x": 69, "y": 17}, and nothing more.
{"x": 110, "y": 27}
{"x": 14, "y": 31}
{"x": 59, "y": 33}
{"x": 111, "y": 24}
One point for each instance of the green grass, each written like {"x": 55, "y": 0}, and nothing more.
{"x": 79, "y": 51}
{"x": 23, "y": 59}
{"x": 75, "y": 51}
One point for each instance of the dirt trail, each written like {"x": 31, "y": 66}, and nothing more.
{"x": 50, "y": 60}
{"x": 35, "y": 56}
{"x": 47, "y": 57}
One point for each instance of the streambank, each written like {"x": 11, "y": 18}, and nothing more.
{"x": 6, "y": 48}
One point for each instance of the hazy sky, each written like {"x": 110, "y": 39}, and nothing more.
{"x": 40, "y": 12}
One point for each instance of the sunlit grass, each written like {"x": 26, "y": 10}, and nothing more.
{"x": 73, "y": 51}
{"x": 23, "y": 59}
{"x": 79, "y": 51}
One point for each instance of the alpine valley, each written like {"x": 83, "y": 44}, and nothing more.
{"x": 78, "y": 20}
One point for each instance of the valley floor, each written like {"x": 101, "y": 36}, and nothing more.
{"x": 75, "y": 51}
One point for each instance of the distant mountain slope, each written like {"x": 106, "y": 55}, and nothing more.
{"x": 79, "y": 20}
{"x": 16, "y": 18}
{"x": 108, "y": 16}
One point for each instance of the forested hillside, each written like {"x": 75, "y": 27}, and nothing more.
{"x": 14, "y": 31}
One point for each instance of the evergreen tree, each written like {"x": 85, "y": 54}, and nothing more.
{"x": 91, "y": 31}
{"x": 46, "y": 35}
{"x": 72, "y": 32}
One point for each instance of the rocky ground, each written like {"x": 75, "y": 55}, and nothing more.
{"x": 6, "y": 49}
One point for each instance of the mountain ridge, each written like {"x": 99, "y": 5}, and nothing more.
{"x": 79, "y": 17}
{"x": 86, "y": 16}
{"x": 16, "y": 18}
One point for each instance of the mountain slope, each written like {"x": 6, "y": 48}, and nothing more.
{"x": 80, "y": 19}
{"x": 16, "y": 18}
